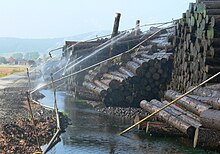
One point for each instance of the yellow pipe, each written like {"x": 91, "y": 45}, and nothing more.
{"x": 152, "y": 114}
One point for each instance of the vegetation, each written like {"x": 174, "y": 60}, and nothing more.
{"x": 32, "y": 55}
{"x": 18, "y": 56}
{"x": 8, "y": 70}
{"x": 3, "y": 60}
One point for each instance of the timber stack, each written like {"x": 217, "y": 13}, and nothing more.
{"x": 101, "y": 49}
{"x": 196, "y": 43}
{"x": 143, "y": 77}
{"x": 196, "y": 115}
{"x": 143, "y": 73}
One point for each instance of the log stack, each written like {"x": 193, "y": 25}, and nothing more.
{"x": 184, "y": 121}
{"x": 196, "y": 42}
{"x": 104, "y": 49}
{"x": 144, "y": 77}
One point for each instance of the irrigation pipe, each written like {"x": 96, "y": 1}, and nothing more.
{"x": 98, "y": 37}
{"x": 152, "y": 114}
{"x": 87, "y": 68}
{"x": 57, "y": 118}
{"x": 51, "y": 141}
{"x": 36, "y": 102}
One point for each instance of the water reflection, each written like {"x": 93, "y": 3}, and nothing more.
{"x": 93, "y": 132}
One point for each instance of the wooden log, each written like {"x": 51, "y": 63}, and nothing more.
{"x": 125, "y": 57}
{"x": 91, "y": 86}
{"x": 132, "y": 66}
{"x": 116, "y": 24}
{"x": 209, "y": 139}
{"x": 101, "y": 85}
{"x": 210, "y": 119}
{"x": 121, "y": 75}
{"x": 111, "y": 77}
{"x": 170, "y": 119}
{"x": 213, "y": 52}
{"x": 86, "y": 94}
{"x": 212, "y": 11}
{"x": 187, "y": 102}
{"x": 114, "y": 84}
{"x": 83, "y": 46}
{"x": 211, "y": 4}
{"x": 177, "y": 113}
{"x": 205, "y": 92}
{"x": 214, "y": 102}
{"x": 126, "y": 71}
{"x": 185, "y": 112}
{"x": 92, "y": 76}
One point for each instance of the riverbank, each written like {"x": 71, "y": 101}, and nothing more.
{"x": 17, "y": 133}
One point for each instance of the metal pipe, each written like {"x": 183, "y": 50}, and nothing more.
{"x": 152, "y": 114}
{"x": 49, "y": 107}
{"x": 51, "y": 141}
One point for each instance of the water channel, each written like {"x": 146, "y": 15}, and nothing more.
{"x": 92, "y": 132}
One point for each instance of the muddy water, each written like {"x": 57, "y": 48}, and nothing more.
{"x": 93, "y": 132}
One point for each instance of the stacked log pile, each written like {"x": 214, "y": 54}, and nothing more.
{"x": 184, "y": 121}
{"x": 203, "y": 128}
{"x": 202, "y": 105}
{"x": 144, "y": 77}
{"x": 106, "y": 47}
{"x": 196, "y": 43}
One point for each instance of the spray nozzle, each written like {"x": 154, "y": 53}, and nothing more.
{"x": 50, "y": 55}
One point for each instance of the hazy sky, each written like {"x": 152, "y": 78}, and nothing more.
{"x": 62, "y": 18}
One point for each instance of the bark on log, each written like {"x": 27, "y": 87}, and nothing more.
{"x": 170, "y": 119}
{"x": 210, "y": 119}
{"x": 101, "y": 85}
{"x": 209, "y": 139}
{"x": 132, "y": 66}
{"x": 190, "y": 114}
{"x": 110, "y": 76}
{"x": 86, "y": 94}
{"x": 189, "y": 103}
{"x": 176, "y": 113}
{"x": 95, "y": 88}
{"x": 206, "y": 92}
{"x": 214, "y": 102}
{"x": 116, "y": 73}
{"x": 126, "y": 71}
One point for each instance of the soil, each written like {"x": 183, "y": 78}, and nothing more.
{"x": 17, "y": 133}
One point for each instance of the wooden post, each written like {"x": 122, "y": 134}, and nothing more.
{"x": 137, "y": 28}
{"x": 33, "y": 122}
{"x": 116, "y": 25}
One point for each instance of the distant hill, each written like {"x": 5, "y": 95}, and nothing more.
{"x": 9, "y": 45}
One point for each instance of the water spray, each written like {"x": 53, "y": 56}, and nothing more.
{"x": 111, "y": 58}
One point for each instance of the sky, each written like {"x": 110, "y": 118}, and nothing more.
{"x": 63, "y": 18}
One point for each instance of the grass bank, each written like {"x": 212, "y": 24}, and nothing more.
{"x": 11, "y": 69}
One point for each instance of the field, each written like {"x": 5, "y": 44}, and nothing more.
{"x": 11, "y": 69}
